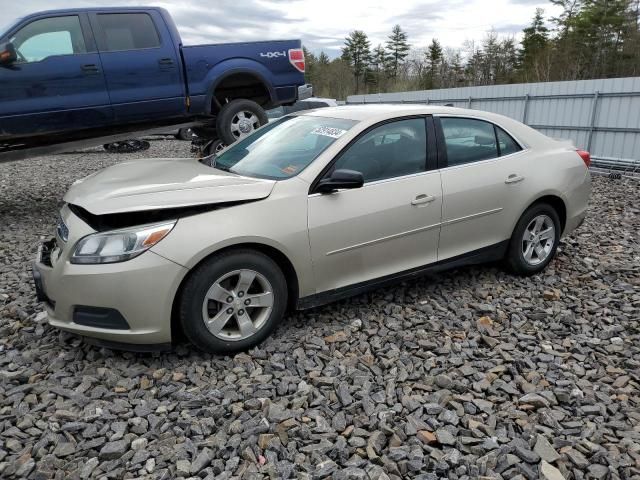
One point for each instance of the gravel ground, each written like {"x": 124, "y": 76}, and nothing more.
{"x": 471, "y": 374}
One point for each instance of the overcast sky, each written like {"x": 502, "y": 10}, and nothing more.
{"x": 323, "y": 24}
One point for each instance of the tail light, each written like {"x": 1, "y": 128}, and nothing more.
{"x": 296, "y": 58}
{"x": 586, "y": 157}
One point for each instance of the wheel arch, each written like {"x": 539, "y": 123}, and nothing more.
{"x": 553, "y": 199}
{"x": 283, "y": 262}
{"x": 243, "y": 82}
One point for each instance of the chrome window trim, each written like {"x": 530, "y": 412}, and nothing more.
{"x": 379, "y": 182}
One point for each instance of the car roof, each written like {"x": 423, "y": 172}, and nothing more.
{"x": 373, "y": 113}
{"x": 365, "y": 112}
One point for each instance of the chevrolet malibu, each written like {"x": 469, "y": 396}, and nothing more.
{"x": 311, "y": 208}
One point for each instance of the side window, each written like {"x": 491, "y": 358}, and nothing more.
{"x": 506, "y": 143}
{"x": 468, "y": 140}
{"x": 49, "y": 37}
{"x": 127, "y": 31}
{"x": 390, "y": 150}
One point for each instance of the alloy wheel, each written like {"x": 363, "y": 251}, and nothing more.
{"x": 538, "y": 240}
{"x": 238, "y": 305}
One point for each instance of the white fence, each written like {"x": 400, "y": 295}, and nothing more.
{"x": 601, "y": 116}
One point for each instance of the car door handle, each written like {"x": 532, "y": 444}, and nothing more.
{"x": 422, "y": 199}
{"x": 513, "y": 178}
{"x": 165, "y": 62}
{"x": 90, "y": 69}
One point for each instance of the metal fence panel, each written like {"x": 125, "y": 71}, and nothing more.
{"x": 601, "y": 115}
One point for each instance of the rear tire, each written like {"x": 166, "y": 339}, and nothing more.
{"x": 239, "y": 118}
{"x": 534, "y": 241}
{"x": 233, "y": 301}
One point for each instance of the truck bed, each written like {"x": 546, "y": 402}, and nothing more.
{"x": 268, "y": 61}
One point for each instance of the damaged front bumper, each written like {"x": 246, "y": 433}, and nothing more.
{"x": 124, "y": 305}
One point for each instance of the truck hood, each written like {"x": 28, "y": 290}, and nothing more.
{"x": 151, "y": 184}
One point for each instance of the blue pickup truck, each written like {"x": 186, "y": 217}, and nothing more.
{"x": 85, "y": 73}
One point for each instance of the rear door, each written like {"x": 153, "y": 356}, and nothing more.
{"x": 389, "y": 225}
{"x": 482, "y": 176}
{"x": 57, "y": 83}
{"x": 141, "y": 65}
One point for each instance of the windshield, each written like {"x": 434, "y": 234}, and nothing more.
{"x": 282, "y": 148}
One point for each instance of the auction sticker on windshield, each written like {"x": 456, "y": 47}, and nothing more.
{"x": 328, "y": 132}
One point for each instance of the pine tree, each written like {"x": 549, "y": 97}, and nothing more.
{"x": 434, "y": 62}
{"x": 535, "y": 45}
{"x": 356, "y": 54}
{"x": 397, "y": 50}
{"x": 311, "y": 66}
{"x": 323, "y": 59}
{"x": 378, "y": 62}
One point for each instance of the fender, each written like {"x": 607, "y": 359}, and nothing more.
{"x": 301, "y": 272}
{"x": 231, "y": 67}
{"x": 538, "y": 196}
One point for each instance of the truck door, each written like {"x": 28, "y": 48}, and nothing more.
{"x": 56, "y": 84}
{"x": 141, "y": 64}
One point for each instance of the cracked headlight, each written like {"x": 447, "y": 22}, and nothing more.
{"x": 119, "y": 245}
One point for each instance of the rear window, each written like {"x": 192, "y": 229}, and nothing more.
{"x": 506, "y": 144}
{"x": 283, "y": 148}
{"x": 127, "y": 31}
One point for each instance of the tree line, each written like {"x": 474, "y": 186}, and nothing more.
{"x": 589, "y": 39}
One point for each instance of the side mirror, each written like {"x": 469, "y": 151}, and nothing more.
{"x": 8, "y": 54}
{"x": 340, "y": 179}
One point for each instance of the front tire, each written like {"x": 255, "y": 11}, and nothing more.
{"x": 239, "y": 118}
{"x": 534, "y": 241}
{"x": 233, "y": 301}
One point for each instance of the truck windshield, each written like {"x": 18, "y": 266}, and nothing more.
{"x": 283, "y": 148}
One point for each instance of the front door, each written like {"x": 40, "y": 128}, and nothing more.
{"x": 389, "y": 225}
{"x": 57, "y": 83}
{"x": 141, "y": 65}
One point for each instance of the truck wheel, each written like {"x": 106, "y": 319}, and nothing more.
{"x": 239, "y": 118}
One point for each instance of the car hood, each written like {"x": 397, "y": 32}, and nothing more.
{"x": 151, "y": 184}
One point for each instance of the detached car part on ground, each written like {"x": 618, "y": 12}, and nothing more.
{"x": 311, "y": 208}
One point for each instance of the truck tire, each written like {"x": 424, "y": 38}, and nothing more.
{"x": 239, "y": 118}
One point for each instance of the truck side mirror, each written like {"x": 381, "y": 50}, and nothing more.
{"x": 8, "y": 54}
